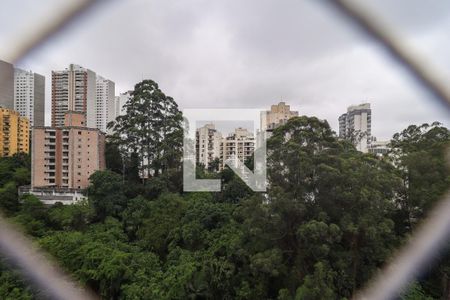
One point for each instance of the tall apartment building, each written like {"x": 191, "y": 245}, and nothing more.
{"x": 238, "y": 145}
{"x": 105, "y": 104}
{"x": 65, "y": 156}
{"x": 120, "y": 102}
{"x": 356, "y": 125}
{"x": 80, "y": 89}
{"x": 29, "y": 96}
{"x": 14, "y": 133}
{"x": 278, "y": 115}
{"x": 6, "y": 85}
{"x": 208, "y": 144}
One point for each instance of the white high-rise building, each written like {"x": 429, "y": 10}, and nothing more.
{"x": 105, "y": 104}
{"x": 208, "y": 144}
{"x": 120, "y": 101}
{"x": 29, "y": 96}
{"x": 356, "y": 125}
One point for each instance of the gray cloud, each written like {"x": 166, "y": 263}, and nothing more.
{"x": 253, "y": 53}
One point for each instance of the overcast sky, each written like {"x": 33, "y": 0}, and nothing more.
{"x": 248, "y": 54}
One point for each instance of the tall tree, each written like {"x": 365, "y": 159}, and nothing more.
{"x": 151, "y": 129}
{"x": 329, "y": 205}
{"x": 419, "y": 152}
{"x": 106, "y": 194}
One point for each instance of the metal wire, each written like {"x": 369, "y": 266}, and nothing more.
{"x": 44, "y": 275}
{"x": 41, "y": 34}
{"x": 50, "y": 281}
{"x": 428, "y": 78}
{"x": 433, "y": 235}
{"x": 428, "y": 241}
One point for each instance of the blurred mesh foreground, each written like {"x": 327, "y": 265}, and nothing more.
{"x": 423, "y": 247}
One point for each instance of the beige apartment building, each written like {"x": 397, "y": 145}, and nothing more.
{"x": 240, "y": 144}
{"x": 64, "y": 157}
{"x": 237, "y": 146}
{"x": 80, "y": 89}
{"x": 14, "y": 133}
{"x": 278, "y": 115}
{"x": 208, "y": 144}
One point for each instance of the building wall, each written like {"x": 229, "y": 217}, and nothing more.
{"x": 73, "y": 89}
{"x": 379, "y": 148}
{"x": 91, "y": 99}
{"x": 357, "y": 120}
{"x": 41, "y": 159}
{"x": 29, "y": 96}
{"x": 343, "y": 126}
{"x": 208, "y": 144}
{"x": 238, "y": 146}
{"x": 14, "y": 133}
{"x": 76, "y": 151}
{"x": 73, "y": 118}
{"x": 105, "y": 105}
{"x": 24, "y": 135}
{"x": 39, "y": 100}
{"x": 110, "y": 100}
{"x": 6, "y": 85}
{"x": 60, "y": 96}
{"x": 78, "y": 89}
{"x": 278, "y": 115}
{"x": 120, "y": 102}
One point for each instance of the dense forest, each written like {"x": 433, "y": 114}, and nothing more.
{"x": 332, "y": 216}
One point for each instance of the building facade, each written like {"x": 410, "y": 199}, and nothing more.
{"x": 356, "y": 125}
{"x": 208, "y": 144}
{"x": 278, "y": 115}
{"x": 105, "y": 103}
{"x": 6, "y": 85}
{"x": 237, "y": 146}
{"x": 379, "y": 148}
{"x": 74, "y": 89}
{"x": 211, "y": 145}
{"x": 29, "y": 96}
{"x": 123, "y": 98}
{"x": 64, "y": 157}
{"x": 14, "y": 133}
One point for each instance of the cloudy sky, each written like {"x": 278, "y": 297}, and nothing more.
{"x": 247, "y": 54}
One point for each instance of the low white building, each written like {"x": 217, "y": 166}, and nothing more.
{"x": 379, "y": 148}
{"x": 53, "y": 195}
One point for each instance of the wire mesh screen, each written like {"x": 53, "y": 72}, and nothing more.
{"x": 408, "y": 263}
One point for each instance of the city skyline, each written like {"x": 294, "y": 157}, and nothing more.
{"x": 220, "y": 58}
{"x": 436, "y": 114}
{"x": 109, "y": 105}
